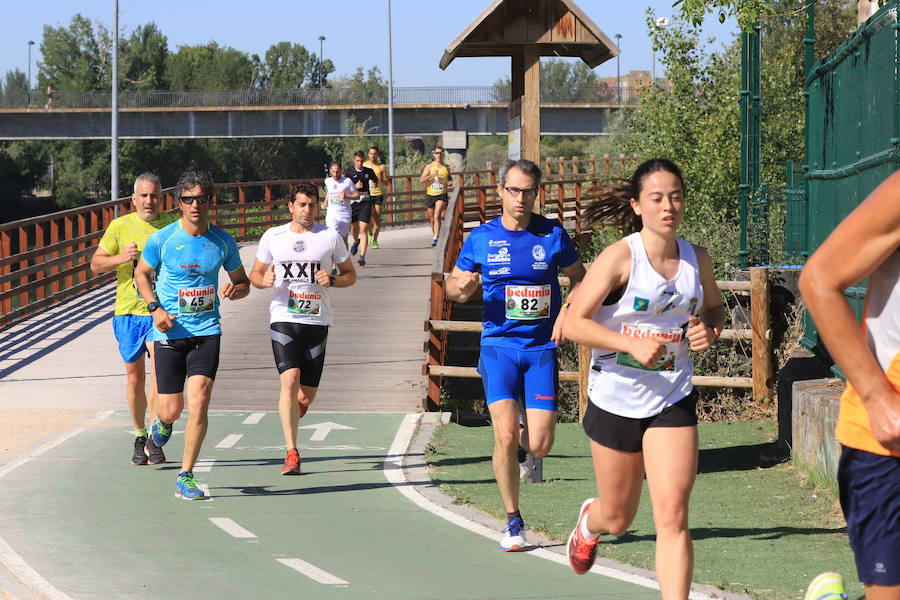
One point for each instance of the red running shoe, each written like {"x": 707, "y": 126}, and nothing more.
{"x": 303, "y": 408}
{"x": 291, "y": 463}
{"x": 580, "y": 550}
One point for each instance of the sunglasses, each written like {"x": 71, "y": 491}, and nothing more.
{"x": 201, "y": 199}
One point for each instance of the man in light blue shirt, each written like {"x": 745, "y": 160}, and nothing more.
{"x": 186, "y": 256}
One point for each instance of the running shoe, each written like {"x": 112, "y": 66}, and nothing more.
{"x": 375, "y": 244}
{"x": 581, "y": 550}
{"x": 370, "y": 239}
{"x": 160, "y": 432}
{"x": 139, "y": 458}
{"x": 354, "y": 247}
{"x": 291, "y": 463}
{"x": 362, "y": 261}
{"x": 157, "y": 457}
{"x": 303, "y": 408}
{"x": 434, "y": 242}
{"x": 186, "y": 488}
{"x": 526, "y": 463}
{"x": 514, "y": 541}
{"x": 826, "y": 586}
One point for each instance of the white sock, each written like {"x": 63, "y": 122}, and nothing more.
{"x": 585, "y": 532}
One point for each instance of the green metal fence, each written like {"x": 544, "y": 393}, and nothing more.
{"x": 853, "y": 134}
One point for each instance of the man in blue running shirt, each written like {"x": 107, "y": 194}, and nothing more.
{"x": 518, "y": 255}
{"x": 186, "y": 256}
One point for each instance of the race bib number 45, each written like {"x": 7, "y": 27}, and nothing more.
{"x": 527, "y": 302}
{"x": 192, "y": 301}
{"x": 672, "y": 340}
{"x": 304, "y": 303}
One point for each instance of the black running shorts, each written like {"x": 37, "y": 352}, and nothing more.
{"x": 361, "y": 211}
{"x": 626, "y": 434}
{"x": 431, "y": 201}
{"x": 300, "y": 346}
{"x": 174, "y": 360}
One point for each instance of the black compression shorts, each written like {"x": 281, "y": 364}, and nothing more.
{"x": 174, "y": 360}
{"x": 300, "y": 346}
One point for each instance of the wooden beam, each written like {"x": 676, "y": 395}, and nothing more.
{"x": 531, "y": 105}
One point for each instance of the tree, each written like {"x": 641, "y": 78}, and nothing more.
{"x": 210, "y": 67}
{"x": 142, "y": 59}
{"x": 292, "y": 66}
{"x": 75, "y": 57}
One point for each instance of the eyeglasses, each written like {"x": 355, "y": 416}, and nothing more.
{"x": 525, "y": 192}
{"x": 438, "y": 153}
{"x": 201, "y": 199}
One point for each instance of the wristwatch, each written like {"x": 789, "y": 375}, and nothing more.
{"x": 331, "y": 280}
{"x": 151, "y": 306}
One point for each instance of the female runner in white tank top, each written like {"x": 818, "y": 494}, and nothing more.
{"x": 646, "y": 301}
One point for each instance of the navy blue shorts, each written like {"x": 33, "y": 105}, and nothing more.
{"x": 870, "y": 497}
{"x": 131, "y": 333}
{"x": 531, "y": 375}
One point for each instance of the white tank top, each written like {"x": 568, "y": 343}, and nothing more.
{"x": 649, "y": 305}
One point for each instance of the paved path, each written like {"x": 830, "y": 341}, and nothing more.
{"x": 66, "y": 357}
{"x": 77, "y": 521}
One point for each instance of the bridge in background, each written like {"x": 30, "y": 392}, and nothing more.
{"x": 299, "y": 113}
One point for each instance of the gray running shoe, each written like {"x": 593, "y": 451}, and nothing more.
{"x": 157, "y": 456}
{"x": 139, "y": 458}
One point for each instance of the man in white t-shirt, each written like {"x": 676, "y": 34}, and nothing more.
{"x": 340, "y": 191}
{"x": 297, "y": 259}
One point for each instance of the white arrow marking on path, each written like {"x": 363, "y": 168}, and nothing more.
{"x": 230, "y": 440}
{"x": 231, "y": 528}
{"x": 323, "y": 429}
{"x": 312, "y": 571}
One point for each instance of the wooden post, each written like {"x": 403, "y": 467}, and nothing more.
{"x": 584, "y": 369}
{"x": 762, "y": 335}
{"x": 531, "y": 103}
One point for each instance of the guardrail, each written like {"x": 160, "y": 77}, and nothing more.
{"x": 311, "y": 97}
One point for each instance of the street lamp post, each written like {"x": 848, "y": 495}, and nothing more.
{"x": 618, "y": 85}
{"x": 390, "y": 95}
{"x": 321, "y": 39}
{"x": 660, "y": 23}
{"x": 28, "y": 86}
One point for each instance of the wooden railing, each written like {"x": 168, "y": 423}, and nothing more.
{"x": 563, "y": 199}
{"x": 46, "y": 259}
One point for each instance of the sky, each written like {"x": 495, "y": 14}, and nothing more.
{"x": 420, "y": 31}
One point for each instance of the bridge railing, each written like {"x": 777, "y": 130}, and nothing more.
{"x": 312, "y": 97}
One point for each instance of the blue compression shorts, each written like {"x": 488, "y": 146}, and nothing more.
{"x": 131, "y": 332}
{"x": 528, "y": 375}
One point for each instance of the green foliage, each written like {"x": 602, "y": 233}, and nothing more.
{"x": 695, "y": 122}
{"x": 142, "y": 59}
{"x": 290, "y": 66}
{"x": 75, "y": 57}
{"x": 210, "y": 67}
{"x": 15, "y": 82}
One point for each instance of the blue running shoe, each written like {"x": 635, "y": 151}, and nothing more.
{"x": 186, "y": 488}
{"x": 514, "y": 540}
{"x": 160, "y": 432}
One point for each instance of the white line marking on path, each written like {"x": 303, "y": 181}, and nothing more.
{"x": 230, "y": 440}
{"x": 254, "y": 418}
{"x": 231, "y": 528}
{"x": 393, "y": 471}
{"x": 204, "y": 465}
{"x": 14, "y": 563}
{"x": 312, "y": 571}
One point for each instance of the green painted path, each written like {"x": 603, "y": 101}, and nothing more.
{"x": 87, "y": 524}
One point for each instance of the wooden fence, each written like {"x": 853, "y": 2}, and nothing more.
{"x": 563, "y": 199}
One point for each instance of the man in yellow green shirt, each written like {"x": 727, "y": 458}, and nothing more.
{"x": 119, "y": 250}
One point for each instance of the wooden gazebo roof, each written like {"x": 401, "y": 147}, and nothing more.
{"x": 556, "y": 27}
